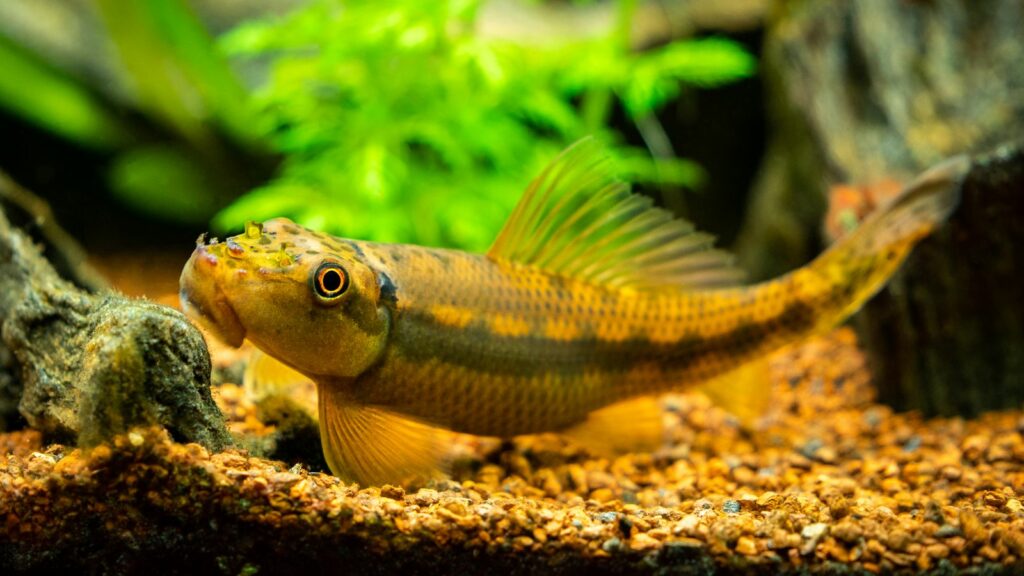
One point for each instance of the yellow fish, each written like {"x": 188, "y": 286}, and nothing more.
{"x": 589, "y": 299}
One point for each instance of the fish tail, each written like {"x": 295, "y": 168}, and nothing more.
{"x": 821, "y": 295}
{"x": 856, "y": 267}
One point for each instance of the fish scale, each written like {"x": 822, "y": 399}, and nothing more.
{"x": 590, "y": 302}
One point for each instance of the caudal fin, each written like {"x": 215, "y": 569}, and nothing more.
{"x": 859, "y": 264}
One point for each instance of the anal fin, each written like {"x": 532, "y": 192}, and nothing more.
{"x": 745, "y": 392}
{"x": 374, "y": 445}
{"x": 635, "y": 425}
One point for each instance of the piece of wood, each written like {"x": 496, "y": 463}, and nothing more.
{"x": 865, "y": 93}
{"x": 947, "y": 336}
{"x": 83, "y": 366}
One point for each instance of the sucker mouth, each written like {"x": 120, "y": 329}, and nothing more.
{"x": 223, "y": 324}
{"x": 203, "y": 302}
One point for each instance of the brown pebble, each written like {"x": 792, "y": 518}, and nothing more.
{"x": 550, "y": 484}
{"x": 994, "y": 499}
{"x": 898, "y": 540}
{"x": 426, "y": 496}
{"x": 1014, "y": 540}
{"x": 746, "y": 546}
{"x": 578, "y": 477}
{"x": 937, "y": 550}
{"x": 971, "y": 526}
{"x": 393, "y": 492}
{"x": 974, "y": 446}
{"x": 641, "y": 542}
{"x": 847, "y": 531}
{"x": 598, "y": 479}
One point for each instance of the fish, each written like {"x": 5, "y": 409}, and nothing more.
{"x": 591, "y": 302}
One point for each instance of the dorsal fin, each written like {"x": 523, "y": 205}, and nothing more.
{"x": 576, "y": 219}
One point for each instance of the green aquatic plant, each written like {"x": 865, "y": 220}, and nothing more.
{"x": 398, "y": 121}
{"x": 393, "y": 120}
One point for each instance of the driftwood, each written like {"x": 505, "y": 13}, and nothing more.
{"x": 948, "y": 335}
{"x": 864, "y": 92}
{"x": 83, "y": 366}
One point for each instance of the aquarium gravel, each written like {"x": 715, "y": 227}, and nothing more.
{"x": 829, "y": 483}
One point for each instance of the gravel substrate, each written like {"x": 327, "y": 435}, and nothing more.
{"x": 830, "y": 483}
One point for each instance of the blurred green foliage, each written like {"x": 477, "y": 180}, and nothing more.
{"x": 191, "y": 155}
{"x": 43, "y": 95}
{"x": 181, "y": 80}
{"x": 398, "y": 122}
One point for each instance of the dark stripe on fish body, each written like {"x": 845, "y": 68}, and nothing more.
{"x": 419, "y": 337}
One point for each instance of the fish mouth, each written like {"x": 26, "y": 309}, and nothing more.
{"x": 203, "y": 301}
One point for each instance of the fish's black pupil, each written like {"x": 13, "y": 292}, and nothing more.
{"x": 331, "y": 281}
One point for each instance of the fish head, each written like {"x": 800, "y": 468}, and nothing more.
{"x": 303, "y": 297}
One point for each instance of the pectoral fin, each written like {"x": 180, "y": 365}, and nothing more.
{"x": 635, "y": 425}
{"x": 266, "y": 377}
{"x": 374, "y": 445}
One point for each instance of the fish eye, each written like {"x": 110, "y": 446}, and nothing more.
{"x": 330, "y": 281}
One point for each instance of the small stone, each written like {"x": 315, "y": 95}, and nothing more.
{"x": 972, "y": 527}
{"x": 812, "y": 531}
{"x": 687, "y": 525}
{"x": 135, "y": 439}
{"x": 937, "y": 550}
{"x": 731, "y": 506}
{"x": 612, "y": 544}
{"x": 392, "y": 492}
{"x": 994, "y": 499}
{"x": 847, "y": 532}
{"x": 522, "y": 542}
{"x": 642, "y": 542}
{"x": 746, "y": 546}
{"x": 768, "y": 500}
{"x": 1014, "y": 540}
{"x": 552, "y": 486}
{"x": 599, "y": 479}
{"x": 974, "y": 446}
{"x": 898, "y": 540}
{"x": 812, "y": 534}
{"x": 426, "y": 496}
{"x": 578, "y": 478}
